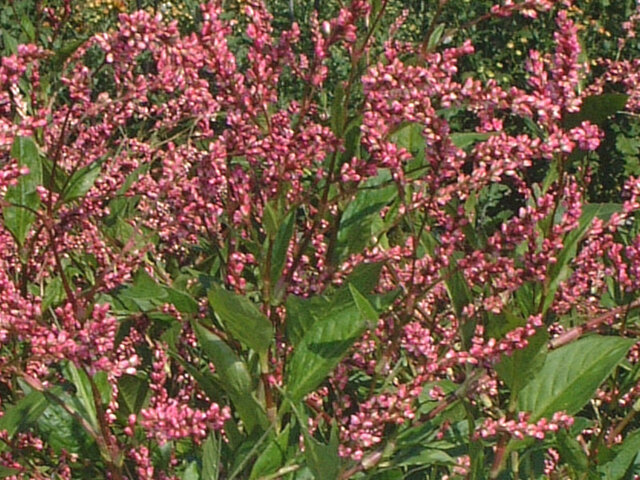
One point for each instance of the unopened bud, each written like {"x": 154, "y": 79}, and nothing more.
{"x": 326, "y": 28}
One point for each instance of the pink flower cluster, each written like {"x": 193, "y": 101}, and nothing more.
{"x": 201, "y": 154}
{"x": 521, "y": 427}
{"x": 169, "y": 418}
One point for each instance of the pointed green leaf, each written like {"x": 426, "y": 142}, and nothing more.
{"x": 231, "y": 369}
{"x": 211, "y": 458}
{"x": 304, "y": 312}
{"x": 354, "y": 231}
{"x": 234, "y": 376}
{"x": 132, "y": 393}
{"x": 273, "y": 457}
{"x": 280, "y": 247}
{"x": 28, "y": 28}
{"x": 66, "y": 50}
{"x": 324, "y": 345}
{"x": 63, "y": 432}
{"x": 24, "y": 197}
{"x": 463, "y": 140}
{"x": 144, "y": 288}
{"x": 434, "y": 39}
{"x": 625, "y": 453}
{"x": 571, "y": 374}
{"x": 515, "y": 369}
{"x": 301, "y": 314}
{"x": 25, "y": 412}
{"x": 365, "y": 277}
{"x": 101, "y": 381}
{"x": 571, "y": 452}
{"x": 242, "y": 319}
{"x": 458, "y": 291}
{"x": 10, "y": 44}
{"x": 270, "y": 219}
{"x": 8, "y": 472}
{"x": 184, "y": 302}
{"x": 53, "y": 293}
{"x": 81, "y": 181}
{"x": 597, "y": 109}
{"x": 364, "y": 306}
{"x": 191, "y": 472}
{"x": 603, "y": 211}
{"x": 54, "y": 180}
{"x": 83, "y": 393}
{"x": 322, "y": 459}
{"x": 559, "y": 270}
{"x": 425, "y": 456}
{"x": 408, "y": 135}
{"x": 337, "y": 110}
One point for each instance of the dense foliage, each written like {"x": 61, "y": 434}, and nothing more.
{"x": 319, "y": 240}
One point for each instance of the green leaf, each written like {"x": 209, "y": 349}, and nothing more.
{"x": 603, "y": 211}
{"x": 395, "y": 474}
{"x": 273, "y": 457}
{"x": 242, "y": 319}
{"x": 22, "y": 414}
{"x": 571, "y": 374}
{"x": 460, "y": 296}
{"x": 63, "y": 432}
{"x": 515, "y": 369}
{"x": 627, "y": 145}
{"x": 571, "y": 452}
{"x": 352, "y": 137}
{"x": 10, "y": 44}
{"x": 191, "y": 472}
{"x": 364, "y": 306}
{"x": 280, "y": 247}
{"x": 270, "y": 219}
{"x": 84, "y": 393}
{"x": 355, "y": 229}
{"x": 463, "y": 140}
{"x": 235, "y": 377}
{"x": 132, "y": 393}
{"x": 528, "y": 298}
{"x": 337, "y": 110}
{"x": 64, "y": 52}
{"x": 229, "y": 367}
{"x": 28, "y": 28}
{"x": 304, "y": 312}
{"x": 211, "y": 458}
{"x": 617, "y": 467}
{"x": 53, "y": 293}
{"x": 558, "y": 272}
{"x": 301, "y": 314}
{"x": 322, "y": 459}
{"x": 408, "y": 135}
{"x": 81, "y": 182}
{"x": 434, "y": 39}
{"x": 101, "y": 381}
{"x": 323, "y": 346}
{"x": 458, "y": 291}
{"x": 365, "y": 276}
{"x": 54, "y": 180}
{"x": 425, "y": 456}
{"x": 184, "y": 302}
{"x": 597, "y": 109}
{"x": 8, "y": 472}
{"x": 24, "y": 198}
{"x": 144, "y": 288}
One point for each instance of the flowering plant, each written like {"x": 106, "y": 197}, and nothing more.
{"x": 329, "y": 250}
